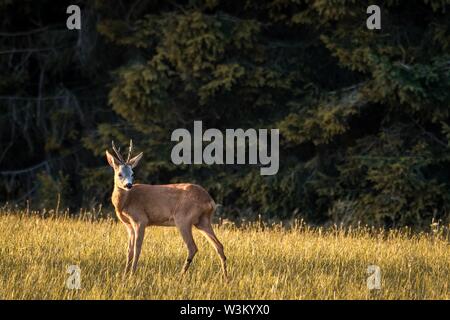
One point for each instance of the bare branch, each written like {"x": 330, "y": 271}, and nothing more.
{"x": 22, "y": 171}
{"x": 31, "y": 98}
{"x": 27, "y": 50}
{"x": 23, "y": 33}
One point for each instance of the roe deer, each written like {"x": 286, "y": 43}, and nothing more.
{"x": 141, "y": 205}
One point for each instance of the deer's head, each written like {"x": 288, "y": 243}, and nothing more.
{"x": 123, "y": 169}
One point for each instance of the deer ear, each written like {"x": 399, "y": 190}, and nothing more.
{"x": 134, "y": 161}
{"x": 111, "y": 160}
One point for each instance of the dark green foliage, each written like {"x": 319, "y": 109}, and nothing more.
{"x": 52, "y": 192}
{"x": 363, "y": 114}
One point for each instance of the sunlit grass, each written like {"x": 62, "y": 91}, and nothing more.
{"x": 264, "y": 262}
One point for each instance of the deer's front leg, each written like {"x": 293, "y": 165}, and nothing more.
{"x": 139, "y": 230}
{"x": 130, "y": 248}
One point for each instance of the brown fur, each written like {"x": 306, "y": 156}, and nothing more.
{"x": 182, "y": 205}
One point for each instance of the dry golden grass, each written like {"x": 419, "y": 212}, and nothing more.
{"x": 264, "y": 263}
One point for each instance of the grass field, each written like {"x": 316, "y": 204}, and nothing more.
{"x": 264, "y": 262}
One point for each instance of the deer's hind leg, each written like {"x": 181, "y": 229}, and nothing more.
{"x": 205, "y": 228}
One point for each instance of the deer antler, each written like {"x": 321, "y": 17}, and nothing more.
{"x": 117, "y": 152}
{"x": 130, "y": 150}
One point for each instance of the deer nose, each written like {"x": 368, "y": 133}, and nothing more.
{"x": 128, "y": 185}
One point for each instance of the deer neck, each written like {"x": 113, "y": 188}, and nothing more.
{"x": 119, "y": 198}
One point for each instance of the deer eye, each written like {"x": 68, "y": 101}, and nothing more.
{"x": 120, "y": 175}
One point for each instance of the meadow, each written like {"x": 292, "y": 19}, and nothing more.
{"x": 265, "y": 262}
